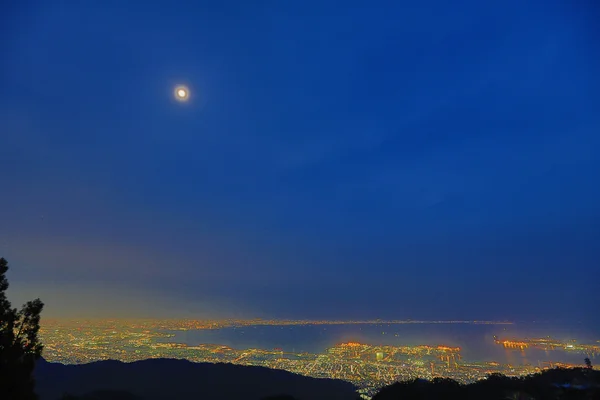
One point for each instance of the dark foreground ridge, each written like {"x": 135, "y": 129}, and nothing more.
{"x": 180, "y": 379}
{"x": 168, "y": 379}
{"x": 554, "y": 384}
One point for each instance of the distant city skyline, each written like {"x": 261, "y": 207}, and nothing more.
{"x": 367, "y": 361}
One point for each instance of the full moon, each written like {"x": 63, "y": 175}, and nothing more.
{"x": 182, "y": 93}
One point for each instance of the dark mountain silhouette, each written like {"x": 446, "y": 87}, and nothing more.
{"x": 168, "y": 379}
{"x": 119, "y": 395}
{"x": 180, "y": 379}
{"x": 554, "y": 384}
{"x": 103, "y": 395}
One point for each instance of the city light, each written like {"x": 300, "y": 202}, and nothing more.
{"x": 368, "y": 366}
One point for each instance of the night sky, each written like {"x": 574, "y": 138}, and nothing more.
{"x": 423, "y": 160}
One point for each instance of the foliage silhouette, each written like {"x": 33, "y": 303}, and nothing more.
{"x": 565, "y": 384}
{"x": 20, "y": 346}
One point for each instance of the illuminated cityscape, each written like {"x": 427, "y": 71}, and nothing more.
{"x": 550, "y": 344}
{"x": 412, "y": 187}
{"x": 368, "y": 366}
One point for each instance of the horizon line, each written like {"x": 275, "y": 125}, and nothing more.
{"x": 267, "y": 321}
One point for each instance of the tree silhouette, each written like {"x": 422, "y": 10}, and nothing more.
{"x": 588, "y": 363}
{"x": 20, "y": 346}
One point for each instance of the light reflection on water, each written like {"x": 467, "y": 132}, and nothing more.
{"x": 476, "y": 341}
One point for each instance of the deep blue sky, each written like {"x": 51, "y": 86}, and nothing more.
{"x": 395, "y": 159}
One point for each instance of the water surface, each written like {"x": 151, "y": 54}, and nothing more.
{"x": 476, "y": 341}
